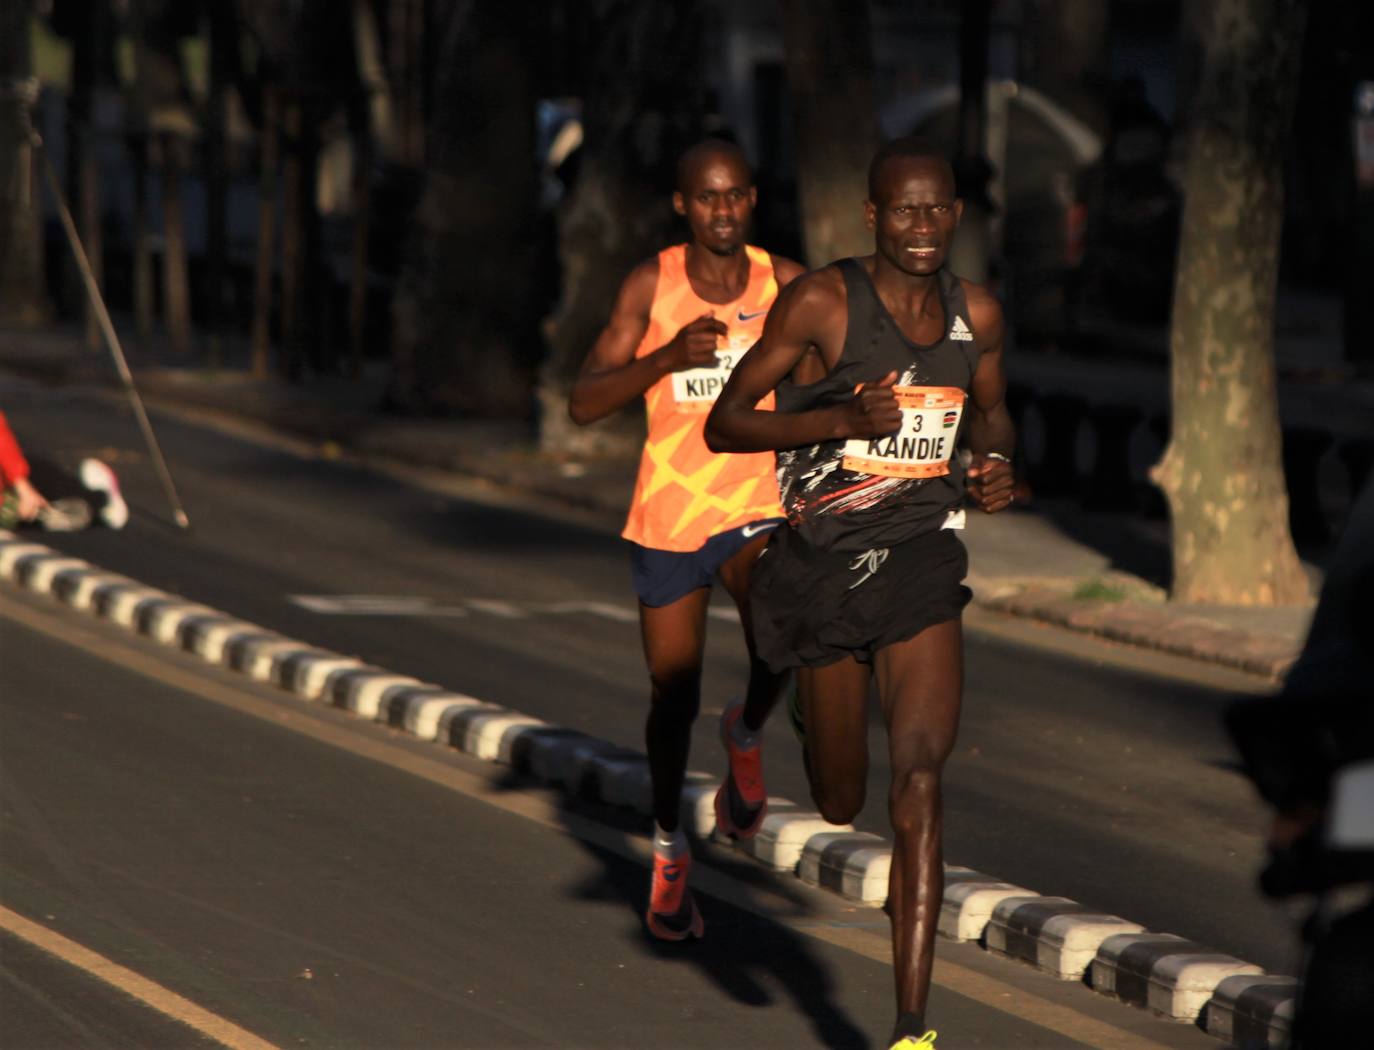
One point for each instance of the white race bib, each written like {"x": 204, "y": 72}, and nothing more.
{"x": 698, "y": 388}
{"x": 923, "y": 446}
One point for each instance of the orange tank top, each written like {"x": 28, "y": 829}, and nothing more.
{"x": 685, "y": 493}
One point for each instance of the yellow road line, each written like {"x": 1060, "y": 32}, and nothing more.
{"x": 988, "y": 991}
{"x": 145, "y": 991}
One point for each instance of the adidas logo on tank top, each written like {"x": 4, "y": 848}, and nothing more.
{"x": 960, "y": 331}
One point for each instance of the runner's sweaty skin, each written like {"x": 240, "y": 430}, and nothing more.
{"x": 913, "y": 213}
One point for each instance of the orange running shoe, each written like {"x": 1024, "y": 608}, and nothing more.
{"x": 742, "y": 801}
{"x": 672, "y": 914}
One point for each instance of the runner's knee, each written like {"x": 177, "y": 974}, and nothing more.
{"x": 914, "y": 796}
{"x": 676, "y": 695}
{"x": 837, "y": 803}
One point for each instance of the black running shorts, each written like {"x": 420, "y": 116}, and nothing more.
{"x": 811, "y": 607}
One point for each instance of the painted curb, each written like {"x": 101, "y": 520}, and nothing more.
{"x": 1171, "y": 976}
{"x": 1166, "y": 974}
{"x": 1053, "y": 934}
{"x": 1253, "y": 1012}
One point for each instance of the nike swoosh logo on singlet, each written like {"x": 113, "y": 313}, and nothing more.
{"x": 754, "y": 530}
{"x": 749, "y": 317}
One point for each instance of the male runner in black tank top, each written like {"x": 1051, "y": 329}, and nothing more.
{"x": 870, "y": 357}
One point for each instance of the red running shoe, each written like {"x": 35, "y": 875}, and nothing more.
{"x": 742, "y": 801}
{"x": 672, "y": 914}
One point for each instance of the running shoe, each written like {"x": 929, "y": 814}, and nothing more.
{"x": 742, "y": 801}
{"x": 98, "y": 477}
{"x": 910, "y": 1042}
{"x": 672, "y": 914}
{"x": 65, "y": 515}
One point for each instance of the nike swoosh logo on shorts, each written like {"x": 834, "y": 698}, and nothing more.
{"x": 754, "y": 530}
{"x": 749, "y": 317}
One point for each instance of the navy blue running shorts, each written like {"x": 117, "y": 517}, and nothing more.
{"x": 810, "y": 606}
{"x": 662, "y": 577}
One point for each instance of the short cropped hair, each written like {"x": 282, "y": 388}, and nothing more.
{"x": 911, "y": 147}
{"x": 709, "y": 147}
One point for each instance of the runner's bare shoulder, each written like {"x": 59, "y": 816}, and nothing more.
{"x": 638, "y": 288}
{"x": 984, "y": 313}
{"x": 786, "y": 270}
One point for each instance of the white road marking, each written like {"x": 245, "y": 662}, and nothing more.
{"x": 373, "y": 605}
{"x": 620, "y": 613}
{"x": 413, "y": 605}
{"x": 505, "y": 610}
{"x": 161, "y": 999}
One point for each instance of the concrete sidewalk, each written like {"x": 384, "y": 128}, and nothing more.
{"x": 1099, "y": 572}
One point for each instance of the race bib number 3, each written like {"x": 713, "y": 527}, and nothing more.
{"x": 922, "y": 448}
{"x": 696, "y": 389}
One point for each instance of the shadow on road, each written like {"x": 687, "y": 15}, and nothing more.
{"x": 752, "y": 958}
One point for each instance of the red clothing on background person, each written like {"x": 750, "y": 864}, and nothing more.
{"x": 13, "y": 466}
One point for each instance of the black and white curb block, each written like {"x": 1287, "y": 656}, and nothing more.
{"x": 969, "y": 900}
{"x": 854, "y": 864}
{"x": 1053, "y": 934}
{"x": 1173, "y": 977}
{"x": 1253, "y": 1012}
{"x": 1169, "y": 975}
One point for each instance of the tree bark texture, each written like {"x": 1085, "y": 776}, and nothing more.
{"x": 642, "y": 105}
{"x": 830, "y": 78}
{"x": 1222, "y": 471}
{"x": 465, "y": 335}
{"x": 22, "y": 298}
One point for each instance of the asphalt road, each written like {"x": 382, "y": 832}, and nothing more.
{"x": 280, "y": 874}
{"x": 1079, "y": 772}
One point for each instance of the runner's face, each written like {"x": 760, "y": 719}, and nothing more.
{"x": 717, "y": 201}
{"x": 914, "y": 217}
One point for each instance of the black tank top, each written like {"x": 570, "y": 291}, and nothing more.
{"x": 859, "y": 495}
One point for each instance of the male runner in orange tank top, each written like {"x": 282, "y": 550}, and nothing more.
{"x": 681, "y": 320}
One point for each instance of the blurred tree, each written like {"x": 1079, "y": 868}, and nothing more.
{"x": 267, "y": 24}
{"x": 643, "y": 100}
{"x": 1222, "y": 471}
{"x": 465, "y": 337}
{"x": 1067, "y": 56}
{"x": 830, "y": 80}
{"x": 970, "y": 255}
{"x": 165, "y": 128}
{"x": 90, "y": 28}
{"x": 303, "y": 86}
{"x": 22, "y": 296}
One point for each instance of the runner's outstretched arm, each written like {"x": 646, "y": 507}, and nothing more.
{"x": 808, "y": 318}
{"x": 612, "y": 376}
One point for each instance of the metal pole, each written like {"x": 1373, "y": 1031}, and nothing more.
{"x": 111, "y": 340}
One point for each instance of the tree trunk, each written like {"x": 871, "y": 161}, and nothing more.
{"x": 267, "y": 222}
{"x": 357, "y": 292}
{"x": 176, "y": 285}
{"x": 295, "y": 186}
{"x": 464, "y": 331}
{"x": 22, "y": 298}
{"x": 830, "y": 78}
{"x": 641, "y": 99}
{"x": 144, "y": 286}
{"x": 406, "y": 59}
{"x": 88, "y": 64}
{"x": 1222, "y": 472}
{"x": 223, "y": 50}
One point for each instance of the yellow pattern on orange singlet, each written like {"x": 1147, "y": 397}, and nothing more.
{"x": 685, "y": 493}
